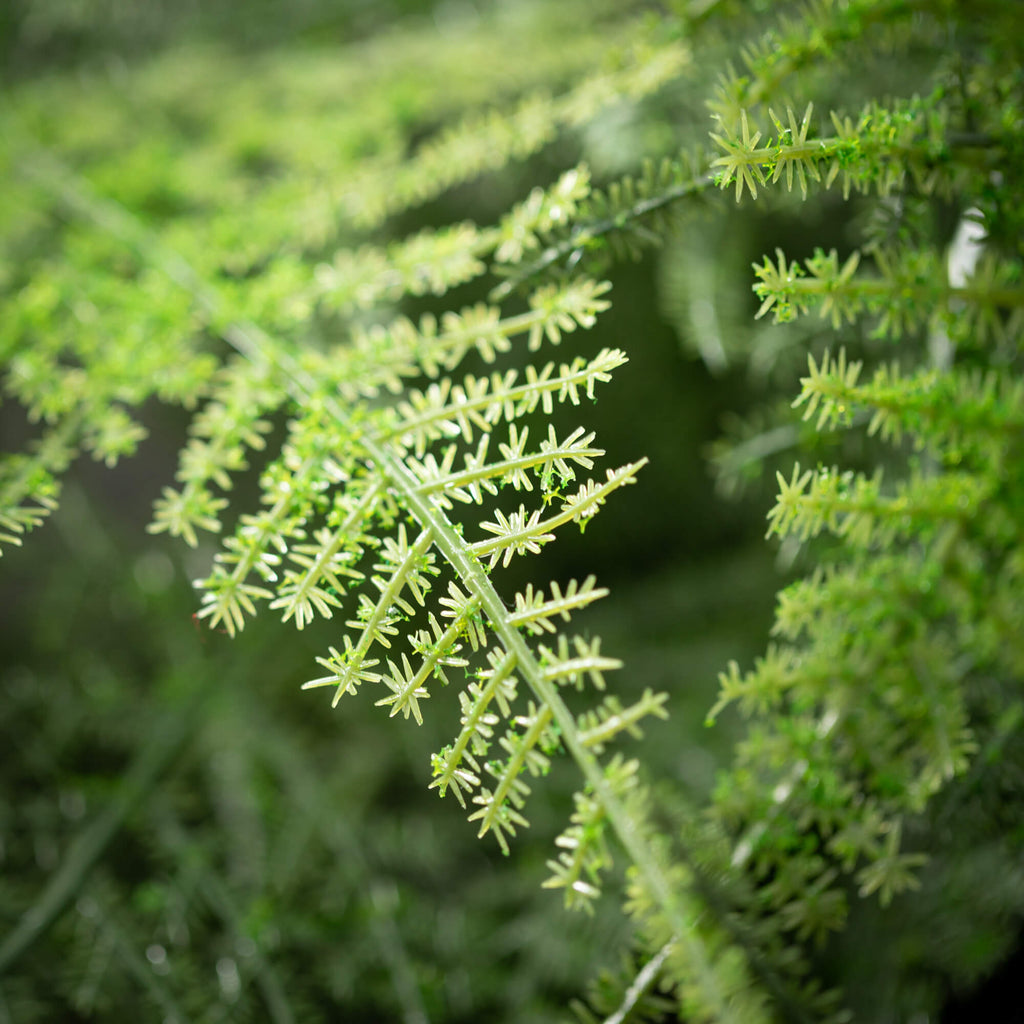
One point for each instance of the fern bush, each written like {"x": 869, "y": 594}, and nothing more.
{"x": 379, "y": 427}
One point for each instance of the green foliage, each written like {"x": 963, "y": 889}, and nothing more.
{"x": 373, "y": 434}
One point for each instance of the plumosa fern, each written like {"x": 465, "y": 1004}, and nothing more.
{"x": 397, "y": 483}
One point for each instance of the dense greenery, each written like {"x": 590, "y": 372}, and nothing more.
{"x": 310, "y": 273}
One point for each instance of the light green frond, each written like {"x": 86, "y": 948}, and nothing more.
{"x": 445, "y": 411}
{"x": 488, "y": 141}
{"x": 853, "y": 506}
{"x": 583, "y": 846}
{"x": 602, "y": 724}
{"x": 570, "y": 665}
{"x": 535, "y": 612}
{"x": 624, "y": 219}
{"x": 237, "y": 236}
{"x": 223, "y": 431}
{"x": 584, "y": 504}
{"x": 501, "y": 807}
{"x": 829, "y": 391}
{"x": 407, "y": 691}
{"x": 316, "y": 584}
{"x": 521, "y": 532}
{"x": 29, "y": 488}
{"x": 348, "y": 671}
{"x": 878, "y": 152}
{"x": 496, "y": 684}
{"x": 464, "y": 611}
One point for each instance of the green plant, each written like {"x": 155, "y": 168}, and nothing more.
{"x": 244, "y": 270}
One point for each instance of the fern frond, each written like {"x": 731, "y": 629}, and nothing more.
{"x": 626, "y": 217}
{"x": 407, "y": 690}
{"x": 711, "y": 975}
{"x": 29, "y": 488}
{"x": 618, "y": 996}
{"x": 464, "y": 610}
{"x": 403, "y": 566}
{"x": 501, "y": 807}
{"x": 582, "y": 506}
{"x": 316, "y": 584}
{"x": 821, "y": 34}
{"x": 584, "y": 851}
{"x": 519, "y": 533}
{"x": 878, "y": 152}
{"x": 758, "y": 691}
{"x": 292, "y": 486}
{"x": 439, "y": 648}
{"x": 221, "y": 433}
{"x": 828, "y": 391}
{"x": 852, "y": 506}
{"x": 496, "y": 684}
{"x": 432, "y": 262}
{"x": 892, "y": 872}
{"x": 535, "y": 612}
{"x": 525, "y": 228}
{"x": 379, "y": 504}
{"x": 609, "y": 718}
{"x": 910, "y": 291}
{"x": 445, "y": 411}
{"x": 552, "y": 458}
{"x": 569, "y": 666}
{"x": 489, "y": 141}
{"x": 961, "y": 416}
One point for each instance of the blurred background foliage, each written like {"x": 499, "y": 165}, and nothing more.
{"x": 186, "y": 837}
